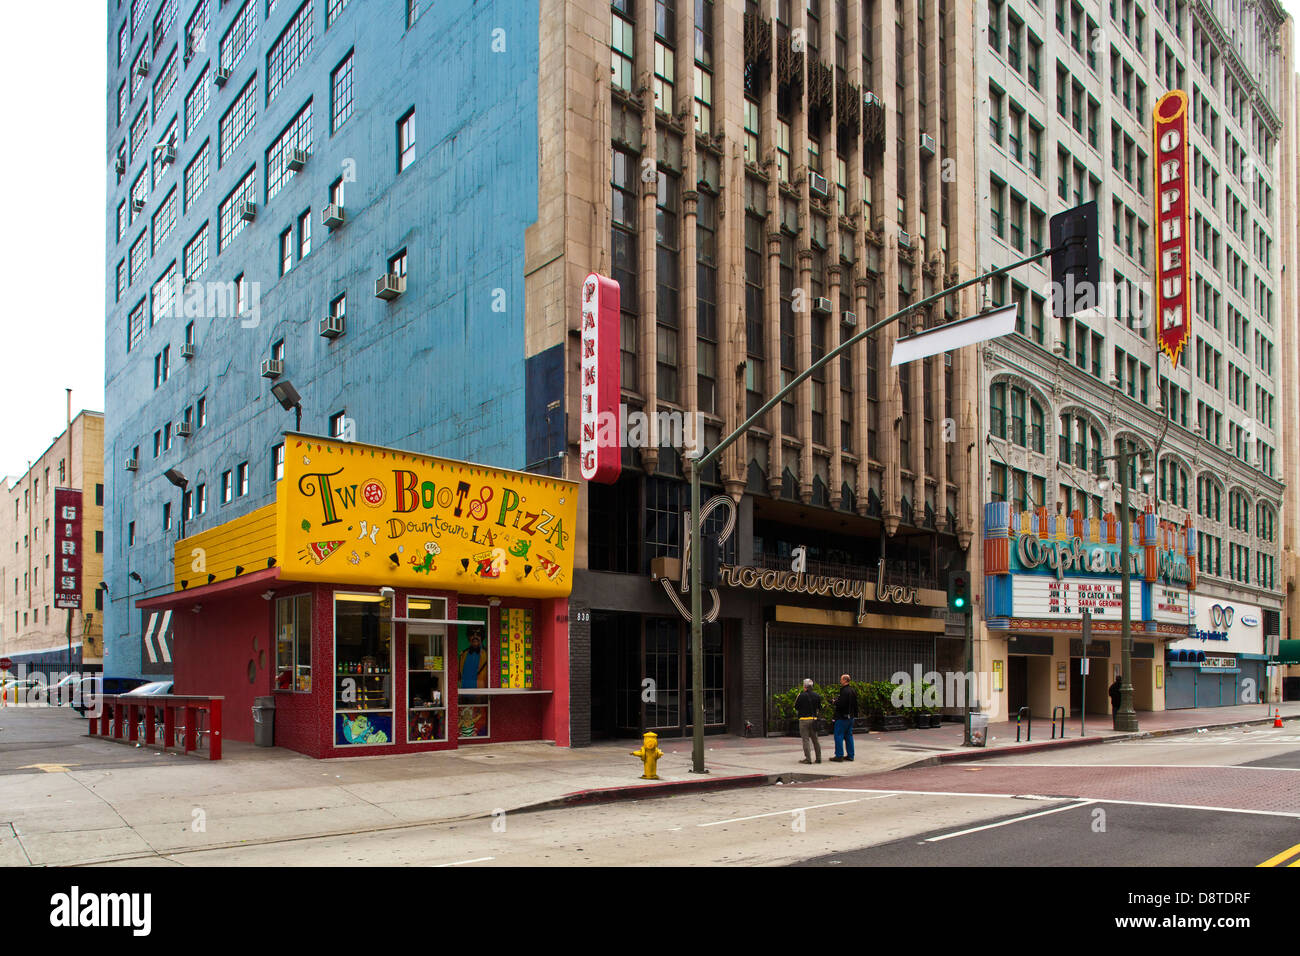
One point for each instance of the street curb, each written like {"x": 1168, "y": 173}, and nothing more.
{"x": 667, "y": 788}
{"x": 961, "y": 756}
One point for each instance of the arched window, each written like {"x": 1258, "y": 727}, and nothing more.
{"x": 1007, "y": 417}
{"x": 1173, "y": 483}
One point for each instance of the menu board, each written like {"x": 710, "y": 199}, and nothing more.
{"x": 1048, "y": 597}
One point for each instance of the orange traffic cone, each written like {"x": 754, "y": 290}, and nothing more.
{"x": 1277, "y": 717}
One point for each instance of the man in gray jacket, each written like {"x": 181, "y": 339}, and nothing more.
{"x": 807, "y": 705}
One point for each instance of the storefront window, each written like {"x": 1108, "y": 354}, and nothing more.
{"x": 426, "y": 671}
{"x": 293, "y": 643}
{"x": 363, "y": 664}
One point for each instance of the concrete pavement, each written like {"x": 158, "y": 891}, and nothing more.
{"x": 66, "y": 798}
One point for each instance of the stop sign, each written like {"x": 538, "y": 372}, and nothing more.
{"x": 6, "y": 664}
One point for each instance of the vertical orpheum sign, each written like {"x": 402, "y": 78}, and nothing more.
{"x": 67, "y": 548}
{"x": 599, "y": 444}
{"x": 1173, "y": 290}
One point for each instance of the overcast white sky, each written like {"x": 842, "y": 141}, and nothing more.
{"x": 54, "y": 167}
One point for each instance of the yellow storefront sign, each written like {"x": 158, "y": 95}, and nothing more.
{"x": 360, "y": 514}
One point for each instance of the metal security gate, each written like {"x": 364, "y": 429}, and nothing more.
{"x": 1180, "y": 686}
{"x": 824, "y": 653}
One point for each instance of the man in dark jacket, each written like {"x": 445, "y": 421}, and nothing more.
{"x": 806, "y": 707}
{"x": 1114, "y": 697}
{"x": 846, "y": 708}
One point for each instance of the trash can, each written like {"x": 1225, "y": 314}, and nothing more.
{"x": 979, "y": 729}
{"x": 264, "y": 721}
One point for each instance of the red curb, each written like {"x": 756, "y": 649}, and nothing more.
{"x": 667, "y": 788}
{"x": 978, "y": 753}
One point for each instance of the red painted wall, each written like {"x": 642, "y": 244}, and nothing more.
{"x": 216, "y": 649}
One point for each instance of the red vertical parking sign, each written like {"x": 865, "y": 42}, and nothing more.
{"x": 67, "y": 548}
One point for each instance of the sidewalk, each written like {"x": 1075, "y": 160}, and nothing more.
{"x": 66, "y": 798}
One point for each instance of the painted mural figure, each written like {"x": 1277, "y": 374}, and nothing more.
{"x": 474, "y": 660}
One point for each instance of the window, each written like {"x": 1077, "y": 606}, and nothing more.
{"x": 237, "y": 121}
{"x": 752, "y": 127}
{"x": 621, "y": 51}
{"x": 239, "y": 37}
{"x": 286, "y": 251}
{"x": 200, "y": 500}
{"x": 277, "y": 462}
{"x": 230, "y": 219}
{"x": 397, "y": 264}
{"x": 166, "y": 82}
{"x": 167, "y": 515}
{"x": 201, "y": 413}
{"x": 336, "y": 424}
{"x": 241, "y": 478}
{"x": 196, "y": 101}
{"x": 341, "y": 94}
{"x": 289, "y": 51}
{"x": 195, "y": 259}
{"x": 196, "y": 177}
{"x": 297, "y": 135}
{"x": 665, "y": 76}
{"x": 164, "y": 221}
{"x": 406, "y": 141}
{"x": 227, "y": 487}
{"x": 412, "y": 12}
{"x": 293, "y": 644}
{"x": 304, "y": 234}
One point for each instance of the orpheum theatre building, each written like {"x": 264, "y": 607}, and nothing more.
{"x": 389, "y": 602}
{"x": 1042, "y": 572}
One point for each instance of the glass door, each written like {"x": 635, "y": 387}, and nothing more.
{"x": 426, "y": 682}
{"x": 363, "y": 671}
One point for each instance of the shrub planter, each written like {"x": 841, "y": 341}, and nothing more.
{"x": 893, "y": 722}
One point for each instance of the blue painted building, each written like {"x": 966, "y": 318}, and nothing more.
{"x": 424, "y": 131}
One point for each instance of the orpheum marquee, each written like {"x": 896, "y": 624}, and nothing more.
{"x": 1041, "y": 572}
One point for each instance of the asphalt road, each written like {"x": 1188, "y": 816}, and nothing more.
{"x": 1229, "y": 798}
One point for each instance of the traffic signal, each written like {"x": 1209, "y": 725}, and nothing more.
{"x": 959, "y": 592}
{"x": 1076, "y": 261}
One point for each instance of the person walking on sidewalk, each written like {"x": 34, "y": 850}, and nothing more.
{"x": 806, "y": 706}
{"x": 846, "y": 708}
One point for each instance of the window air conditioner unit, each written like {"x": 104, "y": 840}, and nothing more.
{"x": 817, "y": 185}
{"x": 187, "y": 350}
{"x": 131, "y": 465}
{"x": 296, "y": 159}
{"x": 389, "y": 286}
{"x": 947, "y": 360}
{"x": 332, "y": 216}
{"x": 166, "y": 153}
{"x": 248, "y": 211}
{"x": 184, "y": 429}
{"x": 120, "y": 165}
{"x": 136, "y": 204}
{"x": 142, "y": 68}
{"x": 822, "y": 305}
{"x": 272, "y": 368}
{"x": 927, "y": 144}
{"x": 331, "y": 326}
{"x": 220, "y": 77}
{"x": 850, "y": 319}
{"x": 904, "y": 240}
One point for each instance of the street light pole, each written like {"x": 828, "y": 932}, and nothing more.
{"x": 697, "y": 628}
{"x": 1126, "y": 717}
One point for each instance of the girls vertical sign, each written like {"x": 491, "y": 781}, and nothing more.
{"x": 599, "y": 446}
{"x": 1173, "y": 290}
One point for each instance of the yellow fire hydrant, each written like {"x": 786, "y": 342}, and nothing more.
{"x": 649, "y": 754}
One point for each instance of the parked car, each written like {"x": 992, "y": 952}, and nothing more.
{"x": 87, "y": 692}
{"x": 152, "y": 689}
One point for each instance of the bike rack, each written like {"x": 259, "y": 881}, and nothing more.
{"x": 1058, "y": 710}
{"x": 1029, "y": 720}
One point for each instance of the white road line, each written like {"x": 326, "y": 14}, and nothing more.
{"x": 1152, "y": 766}
{"x": 1013, "y": 796}
{"x": 481, "y": 859}
{"x": 1004, "y": 823}
{"x": 784, "y": 813}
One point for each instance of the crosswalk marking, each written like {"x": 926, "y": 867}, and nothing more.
{"x": 1284, "y": 855}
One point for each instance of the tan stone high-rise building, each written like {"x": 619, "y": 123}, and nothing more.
{"x": 763, "y": 179}
{"x": 33, "y": 632}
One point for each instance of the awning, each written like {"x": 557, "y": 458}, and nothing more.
{"x": 256, "y": 580}
{"x": 1288, "y": 652}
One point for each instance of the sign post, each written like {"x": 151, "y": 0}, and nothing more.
{"x": 1083, "y": 667}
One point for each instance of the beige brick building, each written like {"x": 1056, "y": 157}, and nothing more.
{"x": 763, "y": 179}
{"x": 32, "y": 630}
